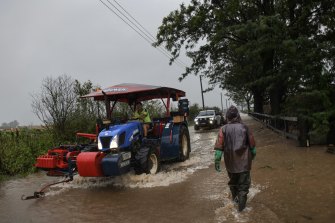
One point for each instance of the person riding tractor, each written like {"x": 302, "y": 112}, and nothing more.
{"x": 143, "y": 116}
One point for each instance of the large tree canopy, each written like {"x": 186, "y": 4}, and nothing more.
{"x": 269, "y": 49}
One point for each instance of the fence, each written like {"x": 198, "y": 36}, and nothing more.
{"x": 290, "y": 127}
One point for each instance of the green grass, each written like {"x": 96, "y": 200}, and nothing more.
{"x": 19, "y": 149}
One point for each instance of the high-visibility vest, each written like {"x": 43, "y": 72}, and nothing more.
{"x": 141, "y": 114}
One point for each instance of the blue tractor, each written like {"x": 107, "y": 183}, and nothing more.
{"x": 119, "y": 147}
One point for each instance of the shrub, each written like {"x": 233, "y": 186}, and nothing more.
{"x": 18, "y": 150}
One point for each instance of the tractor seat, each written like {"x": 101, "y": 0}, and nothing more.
{"x": 156, "y": 128}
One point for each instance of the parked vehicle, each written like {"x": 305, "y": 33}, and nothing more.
{"x": 208, "y": 118}
{"x": 115, "y": 149}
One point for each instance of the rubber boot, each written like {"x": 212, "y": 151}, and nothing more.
{"x": 242, "y": 201}
{"x": 234, "y": 194}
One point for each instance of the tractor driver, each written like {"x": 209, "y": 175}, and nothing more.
{"x": 143, "y": 116}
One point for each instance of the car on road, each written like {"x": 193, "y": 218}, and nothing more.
{"x": 208, "y": 118}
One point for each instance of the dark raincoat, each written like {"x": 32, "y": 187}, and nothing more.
{"x": 235, "y": 140}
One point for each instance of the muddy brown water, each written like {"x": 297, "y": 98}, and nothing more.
{"x": 289, "y": 184}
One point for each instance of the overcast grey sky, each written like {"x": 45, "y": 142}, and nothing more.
{"x": 83, "y": 39}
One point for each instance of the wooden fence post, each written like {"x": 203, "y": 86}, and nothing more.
{"x": 303, "y": 132}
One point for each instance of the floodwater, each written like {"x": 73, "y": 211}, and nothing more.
{"x": 189, "y": 191}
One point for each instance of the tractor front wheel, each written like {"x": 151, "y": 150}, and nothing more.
{"x": 147, "y": 161}
{"x": 153, "y": 163}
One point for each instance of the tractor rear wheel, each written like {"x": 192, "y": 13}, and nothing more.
{"x": 184, "y": 143}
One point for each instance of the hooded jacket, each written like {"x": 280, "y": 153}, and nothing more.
{"x": 235, "y": 140}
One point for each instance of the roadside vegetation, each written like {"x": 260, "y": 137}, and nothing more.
{"x": 20, "y": 148}
{"x": 63, "y": 113}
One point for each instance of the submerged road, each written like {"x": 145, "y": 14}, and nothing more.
{"x": 190, "y": 191}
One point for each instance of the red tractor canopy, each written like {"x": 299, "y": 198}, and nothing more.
{"x": 130, "y": 93}
{"x": 135, "y": 92}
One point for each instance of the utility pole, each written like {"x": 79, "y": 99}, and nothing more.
{"x": 202, "y": 94}
{"x": 221, "y": 103}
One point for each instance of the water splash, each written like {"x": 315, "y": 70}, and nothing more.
{"x": 228, "y": 211}
{"x": 171, "y": 173}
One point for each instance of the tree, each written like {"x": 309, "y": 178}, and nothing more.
{"x": 217, "y": 37}
{"x": 87, "y": 111}
{"x": 60, "y": 107}
{"x": 271, "y": 49}
{"x": 12, "y": 124}
{"x": 241, "y": 98}
{"x": 194, "y": 111}
{"x": 55, "y": 104}
{"x": 155, "y": 108}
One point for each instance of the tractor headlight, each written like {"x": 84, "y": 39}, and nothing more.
{"x": 211, "y": 118}
{"x": 99, "y": 144}
{"x": 114, "y": 143}
{"x": 196, "y": 121}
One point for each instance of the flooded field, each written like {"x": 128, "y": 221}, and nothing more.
{"x": 289, "y": 184}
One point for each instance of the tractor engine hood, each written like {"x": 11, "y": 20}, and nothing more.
{"x": 119, "y": 136}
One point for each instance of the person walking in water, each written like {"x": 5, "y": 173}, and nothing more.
{"x": 237, "y": 144}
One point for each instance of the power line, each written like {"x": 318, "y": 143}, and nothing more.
{"x": 144, "y": 34}
{"x": 125, "y": 21}
{"x": 141, "y": 30}
{"x": 147, "y": 38}
{"x": 154, "y": 38}
{"x": 126, "y": 17}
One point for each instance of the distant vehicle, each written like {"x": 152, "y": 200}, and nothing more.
{"x": 208, "y": 118}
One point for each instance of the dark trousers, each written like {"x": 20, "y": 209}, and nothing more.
{"x": 239, "y": 184}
